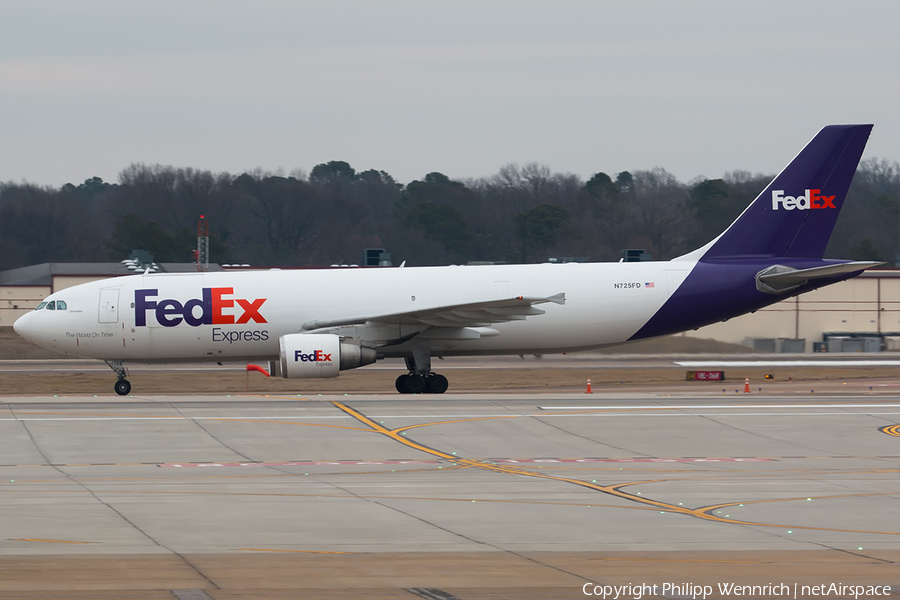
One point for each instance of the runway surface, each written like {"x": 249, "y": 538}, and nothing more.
{"x": 457, "y": 496}
{"x": 582, "y": 360}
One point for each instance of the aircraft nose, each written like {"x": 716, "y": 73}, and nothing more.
{"x": 22, "y": 326}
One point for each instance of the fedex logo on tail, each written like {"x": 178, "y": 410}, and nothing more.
{"x": 317, "y": 357}
{"x": 811, "y": 199}
{"x": 212, "y": 305}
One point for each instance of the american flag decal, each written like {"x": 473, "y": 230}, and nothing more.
{"x": 649, "y": 284}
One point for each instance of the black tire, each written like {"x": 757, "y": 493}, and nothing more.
{"x": 437, "y": 384}
{"x": 415, "y": 384}
{"x": 122, "y": 387}
{"x": 400, "y": 384}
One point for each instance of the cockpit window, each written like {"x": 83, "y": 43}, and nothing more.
{"x": 51, "y": 305}
{"x": 60, "y": 305}
{"x": 40, "y": 306}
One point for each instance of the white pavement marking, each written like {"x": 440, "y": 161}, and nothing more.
{"x": 679, "y": 407}
{"x": 495, "y": 461}
{"x": 815, "y": 408}
{"x": 788, "y": 363}
{"x": 706, "y": 414}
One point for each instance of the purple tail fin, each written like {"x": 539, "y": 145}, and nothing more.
{"x": 795, "y": 214}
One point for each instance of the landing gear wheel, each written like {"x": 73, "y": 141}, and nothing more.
{"x": 437, "y": 384}
{"x": 415, "y": 384}
{"x": 400, "y": 384}
{"x": 123, "y": 387}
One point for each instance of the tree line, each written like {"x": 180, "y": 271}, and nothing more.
{"x": 330, "y": 215}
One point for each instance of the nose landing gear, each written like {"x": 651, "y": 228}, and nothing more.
{"x": 122, "y": 386}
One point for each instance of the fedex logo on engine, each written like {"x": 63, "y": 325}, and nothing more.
{"x": 317, "y": 357}
{"x": 170, "y": 313}
{"x": 809, "y": 200}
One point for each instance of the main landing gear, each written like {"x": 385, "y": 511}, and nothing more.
{"x": 122, "y": 386}
{"x": 414, "y": 383}
{"x": 420, "y": 379}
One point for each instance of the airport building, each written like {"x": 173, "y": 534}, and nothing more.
{"x": 22, "y": 289}
{"x": 858, "y": 315}
{"x": 845, "y": 317}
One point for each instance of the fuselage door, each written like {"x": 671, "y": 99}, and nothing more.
{"x": 109, "y": 305}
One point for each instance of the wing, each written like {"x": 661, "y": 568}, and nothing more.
{"x": 471, "y": 314}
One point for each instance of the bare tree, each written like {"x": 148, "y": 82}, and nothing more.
{"x": 657, "y": 207}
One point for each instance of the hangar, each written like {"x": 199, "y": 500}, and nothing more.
{"x": 22, "y": 289}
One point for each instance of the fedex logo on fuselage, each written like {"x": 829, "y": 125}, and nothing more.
{"x": 170, "y": 313}
{"x": 317, "y": 357}
{"x": 809, "y": 200}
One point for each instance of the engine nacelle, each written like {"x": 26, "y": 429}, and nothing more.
{"x": 308, "y": 355}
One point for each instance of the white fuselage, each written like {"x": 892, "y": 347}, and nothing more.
{"x": 605, "y": 303}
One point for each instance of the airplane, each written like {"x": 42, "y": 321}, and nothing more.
{"x": 317, "y": 323}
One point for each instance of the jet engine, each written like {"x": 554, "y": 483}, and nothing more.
{"x": 309, "y": 355}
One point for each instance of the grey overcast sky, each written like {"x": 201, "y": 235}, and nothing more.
{"x": 408, "y": 86}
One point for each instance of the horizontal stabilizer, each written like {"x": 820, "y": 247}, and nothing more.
{"x": 779, "y": 279}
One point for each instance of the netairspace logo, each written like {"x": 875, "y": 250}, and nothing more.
{"x": 725, "y": 590}
{"x": 810, "y": 200}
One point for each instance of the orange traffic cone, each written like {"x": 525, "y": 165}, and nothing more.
{"x": 588, "y": 390}
{"x": 746, "y": 385}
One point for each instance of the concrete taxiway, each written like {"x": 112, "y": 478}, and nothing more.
{"x": 582, "y": 360}
{"x": 457, "y": 496}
